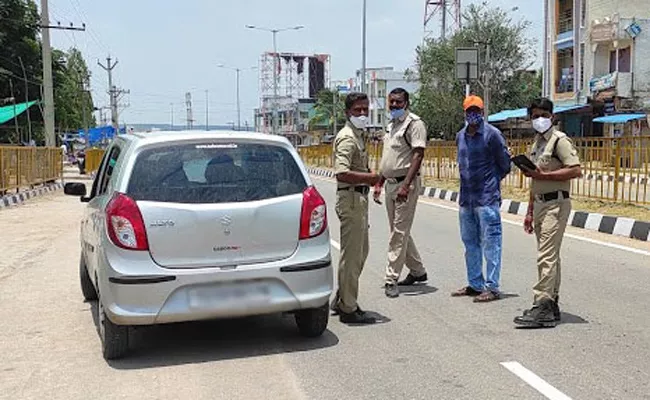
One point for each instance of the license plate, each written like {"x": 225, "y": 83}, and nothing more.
{"x": 229, "y": 296}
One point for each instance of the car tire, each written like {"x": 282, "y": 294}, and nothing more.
{"x": 87, "y": 287}
{"x": 115, "y": 338}
{"x": 313, "y": 322}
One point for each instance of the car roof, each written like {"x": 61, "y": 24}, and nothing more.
{"x": 147, "y": 138}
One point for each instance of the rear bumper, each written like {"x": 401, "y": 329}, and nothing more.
{"x": 166, "y": 296}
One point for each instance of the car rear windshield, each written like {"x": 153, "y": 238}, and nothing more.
{"x": 215, "y": 173}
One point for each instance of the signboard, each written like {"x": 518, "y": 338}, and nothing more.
{"x": 605, "y": 32}
{"x": 603, "y": 82}
{"x": 633, "y": 30}
{"x": 467, "y": 63}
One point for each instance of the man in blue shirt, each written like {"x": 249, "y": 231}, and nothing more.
{"x": 483, "y": 161}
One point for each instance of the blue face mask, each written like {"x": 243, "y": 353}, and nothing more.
{"x": 474, "y": 118}
{"x": 398, "y": 113}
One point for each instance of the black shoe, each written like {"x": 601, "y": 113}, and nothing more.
{"x": 391, "y": 290}
{"x": 540, "y": 316}
{"x": 410, "y": 280}
{"x": 356, "y": 317}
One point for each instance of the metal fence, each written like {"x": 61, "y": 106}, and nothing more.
{"x": 614, "y": 169}
{"x": 25, "y": 167}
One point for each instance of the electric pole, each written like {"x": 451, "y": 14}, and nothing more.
{"x": 84, "y": 117}
{"x": 48, "y": 84}
{"x": 111, "y": 90}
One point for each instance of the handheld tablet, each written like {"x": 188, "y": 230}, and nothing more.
{"x": 523, "y": 162}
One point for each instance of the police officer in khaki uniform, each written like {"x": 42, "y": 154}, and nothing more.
{"x": 354, "y": 179}
{"x": 548, "y": 211}
{"x": 403, "y": 152}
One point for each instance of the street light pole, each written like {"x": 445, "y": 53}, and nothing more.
{"x": 363, "y": 50}
{"x": 238, "y": 72}
{"x": 238, "y": 102}
{"x": 276, "y": 61}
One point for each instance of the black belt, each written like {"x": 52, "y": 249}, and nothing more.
{"x": 359, "y": 189}
{"x": 552, "y": 195}
{"x": 399, "y": 179}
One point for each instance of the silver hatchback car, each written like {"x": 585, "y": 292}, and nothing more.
{"x": 185, "y": 226}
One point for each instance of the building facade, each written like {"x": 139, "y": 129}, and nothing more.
{"x": 596, "y": 54}
{"x": 380, "y": 82}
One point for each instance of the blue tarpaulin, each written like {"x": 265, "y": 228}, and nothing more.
{"x": 523, "y": 113}
{"x": 98, "y": 134}
{"x": 619, "y": 118}
{"x": 507, "y": 114}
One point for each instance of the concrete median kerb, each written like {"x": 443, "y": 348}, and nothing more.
{"x": 619, "y": 226}
{"x": 15, "y": 199}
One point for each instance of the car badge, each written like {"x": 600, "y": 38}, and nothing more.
{"x": 226, "y": 221}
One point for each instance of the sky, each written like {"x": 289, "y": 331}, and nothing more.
{"x": 166, "y": 48}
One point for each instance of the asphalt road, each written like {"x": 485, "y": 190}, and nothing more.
{"x": 429, "y": 345}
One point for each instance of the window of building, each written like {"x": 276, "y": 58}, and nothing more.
{"x": 624, "y": 60}
{"x": 564, "y": 71}
{"x": 582, "y": 67}
{"x": 565, "y": 16}
{"x": 583, "y": 11}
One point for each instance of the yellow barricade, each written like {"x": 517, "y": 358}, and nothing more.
{"x": 93, "y": 160}
{"x": 25, "y": 167}
{"x": 614, "y": 169}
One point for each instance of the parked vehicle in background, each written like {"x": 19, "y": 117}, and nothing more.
{"x": 184, "y": 226}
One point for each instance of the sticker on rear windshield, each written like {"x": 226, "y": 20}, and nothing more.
{"x": 216, "y": 146}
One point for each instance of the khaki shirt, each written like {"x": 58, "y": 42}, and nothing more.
{"x": 350, "y": 152}
{"x": 397, "y": 153}
{"x": 547, "y": 160}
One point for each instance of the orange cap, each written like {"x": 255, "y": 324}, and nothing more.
{"x": 472, "y": 101}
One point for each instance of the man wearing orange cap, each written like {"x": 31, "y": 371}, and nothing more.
{"x": 484, "y": 161}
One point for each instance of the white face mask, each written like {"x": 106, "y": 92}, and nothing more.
{"x": 542, "y": 124}
{"x": 359, "y": 122}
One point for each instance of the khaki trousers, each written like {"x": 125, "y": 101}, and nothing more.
{"x": 401, "y": 247}
{"x": 352, "y": 210}
{"x": 550, "y": 221}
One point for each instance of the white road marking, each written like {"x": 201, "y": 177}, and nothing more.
{"x": 335, "y": 244}
{"x": 569, "y": 235}
{"x": 535, "y": 381}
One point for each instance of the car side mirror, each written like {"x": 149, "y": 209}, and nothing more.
{"x": 75, "y": 189}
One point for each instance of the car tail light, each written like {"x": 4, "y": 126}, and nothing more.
{"x": 313, "y": 219}
{"x": 125, "y": 224}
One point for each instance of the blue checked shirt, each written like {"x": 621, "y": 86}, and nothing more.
{"x": 484, "y": 161}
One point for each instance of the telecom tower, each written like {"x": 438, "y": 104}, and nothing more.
{"x": 188, "y": 103}
{"x": 443, "y": 12}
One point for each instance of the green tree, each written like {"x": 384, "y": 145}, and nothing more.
{"x": 19, "y": 28}
{"x": 511, "y": 84}
{"x": 20, "y": 42}
{"x": 73, "y": 101}
{"x": 325, "y": 111}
